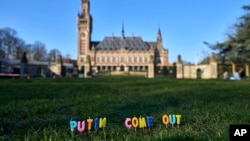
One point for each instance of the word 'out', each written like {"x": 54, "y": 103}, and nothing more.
{"x": 171, "y": 119}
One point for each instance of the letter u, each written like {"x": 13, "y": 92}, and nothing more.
{"x": 81, "y": 126}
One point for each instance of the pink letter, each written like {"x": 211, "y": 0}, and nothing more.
{"x": 128, "y": 123}
{"x": 80, "y": 127}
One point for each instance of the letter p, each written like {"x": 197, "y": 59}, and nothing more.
{"x": 72, "y": 125}
{"x": 243, "y": 131}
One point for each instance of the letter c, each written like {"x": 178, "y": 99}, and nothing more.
{"x": 128, "y": 123}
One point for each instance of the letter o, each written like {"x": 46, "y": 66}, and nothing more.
{"x": 165, "y": 119}
{"x": 135, "y": 122}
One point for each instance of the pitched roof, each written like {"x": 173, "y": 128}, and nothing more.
{"x": 130, "y": 43}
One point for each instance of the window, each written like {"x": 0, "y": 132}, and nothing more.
{"x": 140, "y": 59}
{"x": 129, "y": 59}
{"x": 103, "y": 59}
{"x": 158, "y": 60}
{"x": 113, "y": 59}
{"x": 122, "y": 59}
{"x": 135, "y": 59}
{"x": 82, "y": 59}
{"x": 108, "y": 59}
{"x": 145, "y": 59}
{"x": 109, "y": 68}
{"x": 141, "y": 68}
{"x": 130, "y": 68}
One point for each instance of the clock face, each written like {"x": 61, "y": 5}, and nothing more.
{"x": 83, "y": 35}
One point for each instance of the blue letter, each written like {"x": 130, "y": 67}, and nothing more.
{"x": 96, "y": 123}
{"x": 150, "y": 122}
{"x": 172, "y": 119}
{"x": 72, "y": 125}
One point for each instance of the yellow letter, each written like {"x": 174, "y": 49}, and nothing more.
{"x": 102, "y": 123}
{"x": 142, "y": 122}
{"x": 178, "y": 117}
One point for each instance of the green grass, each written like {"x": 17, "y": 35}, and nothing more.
{"x": 40, "y": 109}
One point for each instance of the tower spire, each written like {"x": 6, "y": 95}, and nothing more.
{"x": 159, "y": 38}
{"x": 123, "y": 31}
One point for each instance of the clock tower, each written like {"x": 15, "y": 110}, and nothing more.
{"x": 84, "y": 33}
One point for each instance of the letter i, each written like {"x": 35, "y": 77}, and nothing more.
{"x": 96, "y": 124}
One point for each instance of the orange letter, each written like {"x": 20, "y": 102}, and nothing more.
{"x": 135, "y": 122}
{"x": 165, "y": 120}
{"x": 89, "y": 123}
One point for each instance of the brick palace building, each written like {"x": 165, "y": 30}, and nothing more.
{"x": 117, "y": 54}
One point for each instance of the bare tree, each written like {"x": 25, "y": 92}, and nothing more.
{"x": 8, "y": 41}
{"x": 53, "y": 53}
{"x": 2, "y": 52}
{"x": 20, "y": 48}
{"x": 39, "y": 51}
{"x": 2, "y": 48}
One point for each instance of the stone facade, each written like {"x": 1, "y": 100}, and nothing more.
{"x": 116, "y": 54}
{"x": 207, "y": 71}
{"x": 57, "y": 67}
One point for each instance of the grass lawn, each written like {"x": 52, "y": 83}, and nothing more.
{"x": 41, "y": 109}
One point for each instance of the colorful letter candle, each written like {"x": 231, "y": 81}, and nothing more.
{"x": 128, "y": 123}
{"x": 72, "y": 125}
{"x": 102, "y": 122}
{"x": 142, "y": 122}
{"x": 150, "y": 122}
{"x": 178, "y": 117}
{"x": 89, "y": 123}
{"x": 165, "y": 120}
{"x": 172, "y": 119}
{"x": 81, "y": 126}
{"x": 96, "y": 123}
{"x": 135, "y": 122}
